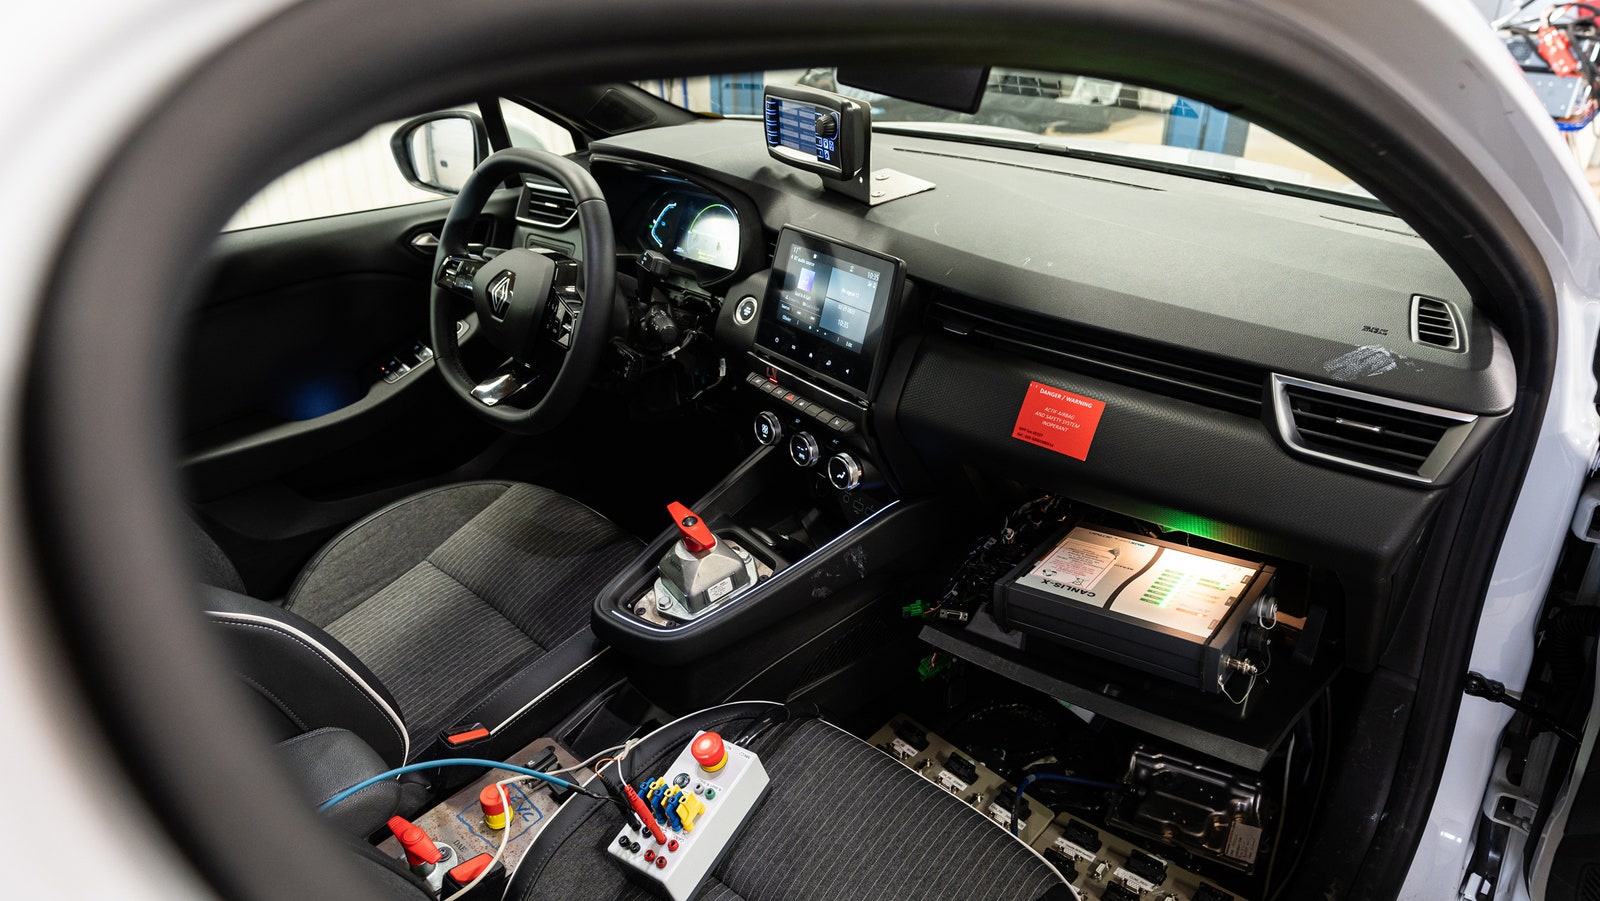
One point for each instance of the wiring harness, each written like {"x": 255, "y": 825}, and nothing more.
{"x": 1565, "y": 37}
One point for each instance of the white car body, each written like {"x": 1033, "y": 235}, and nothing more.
{"x": 77, "y": 75}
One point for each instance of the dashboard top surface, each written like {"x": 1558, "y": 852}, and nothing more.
{"x": 1291, "y": 284}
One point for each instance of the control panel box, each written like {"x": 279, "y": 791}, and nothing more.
{"x": 698, "y": 805}
{"x": 1167, "y": 609}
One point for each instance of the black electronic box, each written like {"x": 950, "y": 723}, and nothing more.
{"x": 1164, "y": 608}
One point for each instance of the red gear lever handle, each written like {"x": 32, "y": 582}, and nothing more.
{"x": 697, "y": 537}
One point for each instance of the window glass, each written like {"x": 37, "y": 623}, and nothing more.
{"x": 361, "y": 175}
{"x": 530, "y": 129}
{"x": 1052, "y": 112}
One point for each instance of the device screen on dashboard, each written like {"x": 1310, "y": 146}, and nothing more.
{"x": 825, "y": 306}
{"x": 793, "y": 124}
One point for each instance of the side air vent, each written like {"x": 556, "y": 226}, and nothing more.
{"x": 545, "y": 205}
{"x": 1163, "y": 369}
{"x": 1435, "y": 322}
{"x": 1376, "y": 434}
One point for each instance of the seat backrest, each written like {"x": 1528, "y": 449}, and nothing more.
{"x": 303, "y": 676}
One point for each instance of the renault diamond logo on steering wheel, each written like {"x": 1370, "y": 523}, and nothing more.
{"x": 499, "y": 290}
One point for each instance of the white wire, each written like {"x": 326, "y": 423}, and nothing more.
{"x": 505, "y": 833}
{"x": 505, "y": 839}
{"x": 1222, "y": 686}
{"x": 620, "y": 750}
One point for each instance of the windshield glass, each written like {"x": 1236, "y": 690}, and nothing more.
{"x": 1056, "y": 112}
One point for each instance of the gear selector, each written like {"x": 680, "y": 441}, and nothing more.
{"x": 700, "y": 570}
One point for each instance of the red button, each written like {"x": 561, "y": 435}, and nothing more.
{"x": 465, "y": 873}
{"x": 489, "y": 798}
{"x": 649, "y": 856}
{"x": 672, "y": 845}
{"x": 471, "y": 735}
{"x": 708, "y": 751}
{"x": 661, "y": 862}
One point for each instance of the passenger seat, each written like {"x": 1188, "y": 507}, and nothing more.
{"x": 841, "y": 820}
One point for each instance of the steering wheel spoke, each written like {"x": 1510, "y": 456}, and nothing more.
{"x": 565, "y": 306}
{"x": 513, "y": 379}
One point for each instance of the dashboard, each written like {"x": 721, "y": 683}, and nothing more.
{"x": 1252, "y": 359}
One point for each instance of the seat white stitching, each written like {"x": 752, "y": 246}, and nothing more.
{"x": 249, "y": 620}
{"x": 533, "y": 664}
{"x": 547, "y": 692}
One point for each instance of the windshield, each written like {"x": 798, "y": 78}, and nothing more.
{"x": 1057, "y": 112}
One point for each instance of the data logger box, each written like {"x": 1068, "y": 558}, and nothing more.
{"x": 1164, "y": 608}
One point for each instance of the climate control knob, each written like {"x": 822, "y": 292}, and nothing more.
{"x": 768, "y": 428}
{"x": 804, "y": 450}
{"x": 844, "y": 473}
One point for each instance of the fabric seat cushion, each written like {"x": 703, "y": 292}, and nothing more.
{"x": 447, "y": 594}
{"x": 841, "y": 820}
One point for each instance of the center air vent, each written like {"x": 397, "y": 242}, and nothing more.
{"x": 1164, "y": 369}
{"x": 1435, "y": 322}
{"x": 1365, "y": 431}
{"x": 545, "y": 205}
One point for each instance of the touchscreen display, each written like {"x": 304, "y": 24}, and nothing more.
{"x": 794, "y": 124}
{"x": 825, "y": 307}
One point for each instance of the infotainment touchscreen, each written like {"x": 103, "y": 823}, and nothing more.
{"x": 826, "y": 305}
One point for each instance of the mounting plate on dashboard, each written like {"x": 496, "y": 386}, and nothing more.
{"x": 831, "y": 135}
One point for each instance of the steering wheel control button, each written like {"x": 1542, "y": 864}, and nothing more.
{"x": 744, "y": 312}
{"x": 708, "y": 751}
{"x": 804, "y": 450}
{"x": 844, "y": 473}
{"x": 457, "y": 274}
{"x": 697, "y": 537}
{"x": 768, "y": 429}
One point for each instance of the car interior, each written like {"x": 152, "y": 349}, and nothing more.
{"x": 839, "y": 479}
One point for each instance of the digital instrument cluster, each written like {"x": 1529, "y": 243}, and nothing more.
{"x": 693, "y": 228}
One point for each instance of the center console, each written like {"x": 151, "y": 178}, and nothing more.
{"x": 786, "y": 555}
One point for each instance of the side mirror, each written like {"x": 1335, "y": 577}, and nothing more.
{"x": 438, "y": 151}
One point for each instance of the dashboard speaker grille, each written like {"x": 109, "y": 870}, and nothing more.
{"x": 1367, "y": 431}
{"x": 1435, "y": 322}
{"x": 545, "y": 205}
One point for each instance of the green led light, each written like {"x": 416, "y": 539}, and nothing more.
{"x": 1188, "y": 522}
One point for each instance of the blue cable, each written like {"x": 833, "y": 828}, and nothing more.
{"x": 1052, "y": 777}
{"x": 448, "y": 761}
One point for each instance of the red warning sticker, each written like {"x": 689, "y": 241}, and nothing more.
{"x": 1058, "y": 420}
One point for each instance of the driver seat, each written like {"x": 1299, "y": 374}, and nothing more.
{"x": 461, "y": 606}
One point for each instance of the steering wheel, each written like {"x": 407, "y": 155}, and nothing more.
{"x": 547, "y": 313}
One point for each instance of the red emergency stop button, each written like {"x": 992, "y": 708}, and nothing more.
{"x": 697, "y": 537}
{"x": 708, "y": 751}
{"x": 495, "y": 814}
